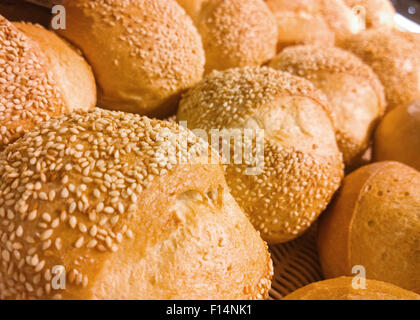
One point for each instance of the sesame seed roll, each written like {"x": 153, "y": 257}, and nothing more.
{"x": 129, "y": 208}
{"x": 28, "y": 93}
{"x": 70, "y": 70}
{"x": 235, "y": 33}
{"x": 302, "y": 164}
{"x": 393, "y": 55}
{"x": 355, "y": 94}
{"x": 143, "y": 53}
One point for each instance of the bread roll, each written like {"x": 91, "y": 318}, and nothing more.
{"x": 374, "y": 222}
{"x": 378, "y": 13}
{"x": 342, "y": 289}
{"x": 393, "y": 55}
{"x": 104, "y": 195}
{"x": 71, "y": 72}
{"x": 236, "y": 33}
{"x": 316, "y": 22}
{"x": 356, "y": 96}
{"x": 28, "y": 93}
{"x": 143, "y": 53}
{"x": 302, "y": 166}
{"x": 398, "y": 136}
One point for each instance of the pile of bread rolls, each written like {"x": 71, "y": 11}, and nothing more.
{"x": 103, "y": 195}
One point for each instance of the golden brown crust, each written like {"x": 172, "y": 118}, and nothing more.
{"x": 28, "y": 93}
{"x": 334, "y": 247}
{"x": 398, "y": 136}
{"x": 302, "y": 164}
{"x": 104, "y": 195}
{"x": 393, "y": 56}
{"x": 154, "y": 54}
{"x": 317, "y": 22}
{"x": 236, "y": 33}
{"x": 356, "y": 96}
{"x": 378, "y": 13}
{"x": 306, "y": 21}
{"x": 373, "y": 223}
{"x": 71, "y": 72}
{"x": 342, "y": 289}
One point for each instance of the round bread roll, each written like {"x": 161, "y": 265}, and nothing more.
{"x": 71, "y": 72}
{"x": 104, "y": 195}
{"x": 398, "y": 136}
{"x": 393, "y": 55}
{"x": 28, "y": 93}
{"x": 293, "y": 175}
{"x": 143, "y": 53}
{"x": 236, "y": 33}
{"x": 374, "y": 222}
{"x": 356, "y": 96}
{"x": 342, "y": 289}
{"x": 316, "y": 22}
{"x": 377, "y": 13}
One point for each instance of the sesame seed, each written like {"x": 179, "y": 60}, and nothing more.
{"x": 19, "y": 231}
{"x": 46, "y": 234}
{"x": 79, "y": 242}
{"x": 64, "y": 193}
{"x": 109, "y": 210}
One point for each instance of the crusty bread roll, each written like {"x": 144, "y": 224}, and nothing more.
{"x": 70, "y": 70}
{"x": 374, "y": 222}
{"x": 393, "y": 55}
{"x": 143, "y": 53}
{"x": 377, "y": 13}
{"x": 302, "y": 164}
{"x": 342, "y": 289}
{"x": 236, "y": 33}
{"x": 105, "y": 195}
{"x": 356, "y": 96}
{"x": 317, "y": 22}
{"x": 398, "y": 136}
{"x": 28, "y": 93}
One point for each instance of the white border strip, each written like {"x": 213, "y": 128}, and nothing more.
{"x": 406, "y": 24}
